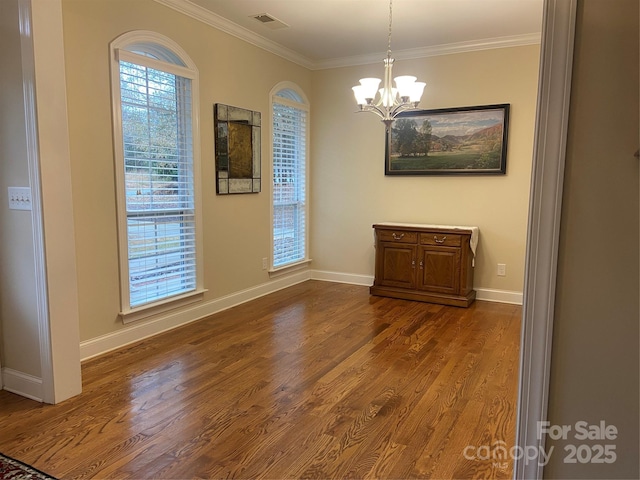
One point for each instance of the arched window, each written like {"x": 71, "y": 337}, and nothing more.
{"x": 156, "y": 138}
{"x": 290, "y": 134}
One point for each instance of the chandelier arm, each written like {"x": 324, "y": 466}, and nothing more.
{"x": 403, "y": 107}
{"x": 390, "y": 103}
{"x": 396, "y": 110}
{"x": 372, "y": 109}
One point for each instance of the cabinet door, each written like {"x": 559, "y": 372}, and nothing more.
{"x": 396, "y": 265}
{"x": 439, "y": 269}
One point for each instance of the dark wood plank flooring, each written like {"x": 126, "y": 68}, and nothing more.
{"x": 319, "y": 380}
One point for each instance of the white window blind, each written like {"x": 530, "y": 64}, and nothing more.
{"x": 159, "y": 182}
{"x": 289, "y": 184}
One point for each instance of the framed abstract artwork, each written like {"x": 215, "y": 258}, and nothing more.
{"x": 237, "y": 139}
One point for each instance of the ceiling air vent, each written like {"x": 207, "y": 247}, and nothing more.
{"x": 269, "y": 21}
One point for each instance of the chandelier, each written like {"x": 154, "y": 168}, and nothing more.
{"x": 388, "y": 101}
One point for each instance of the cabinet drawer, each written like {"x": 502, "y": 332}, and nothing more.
{"x": 441, "y": 239}
{"x": 399, "y": 236}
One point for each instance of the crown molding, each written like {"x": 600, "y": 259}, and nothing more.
{"x": 433, "y": 51}
{"x": 214, "y": 20}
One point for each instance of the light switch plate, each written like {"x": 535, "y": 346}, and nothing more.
{"x": 19, "y": 198}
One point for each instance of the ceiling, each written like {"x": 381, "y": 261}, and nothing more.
{"x": 327, "y": 33}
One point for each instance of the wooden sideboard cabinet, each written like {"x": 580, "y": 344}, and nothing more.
{"x": 428, "y": 263}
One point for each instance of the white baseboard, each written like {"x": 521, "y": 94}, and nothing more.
{"x": 354, "y": 279}
{"x": 141, "y": 330}
{"x": 486, "y": 294}
{"x": 22, "y": 384}
{"x": 499, "y": 296}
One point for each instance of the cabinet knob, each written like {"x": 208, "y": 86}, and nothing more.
{"x": 413, "y": 264}
{"x": 421, "y": 264}
{"x": 438, "y": 240}
{"x": 396, "y": 236}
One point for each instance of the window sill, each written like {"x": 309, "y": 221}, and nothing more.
{"x": 162, "y": 306}
{"x": 290, "y": 268}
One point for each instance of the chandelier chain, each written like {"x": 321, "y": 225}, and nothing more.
{"x": 390, "y": 20}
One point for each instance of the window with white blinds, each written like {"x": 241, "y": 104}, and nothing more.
{"x": 289, "y": 178}
{"x": 157, "y": 176}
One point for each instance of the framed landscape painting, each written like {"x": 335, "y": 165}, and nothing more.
{"x": 449, "y": 141}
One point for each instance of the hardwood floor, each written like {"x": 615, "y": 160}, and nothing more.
{"x": 319, "y": 380}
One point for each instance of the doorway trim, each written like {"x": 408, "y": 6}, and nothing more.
{"x": 48, "y": 157}
{"x": 554, "y": 91}
{"x": 37, "y": 221}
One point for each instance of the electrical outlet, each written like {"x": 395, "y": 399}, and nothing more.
{"x": 502, "y": 270}
{"x": 265, "y": 263}
{"x": 19, "y": 198}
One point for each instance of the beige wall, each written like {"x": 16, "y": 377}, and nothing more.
{"x": 236, "y": 228}
{"x": 350, "y": 191}
{"x": 18, "y": 311}
{"x": 594, "y": 362}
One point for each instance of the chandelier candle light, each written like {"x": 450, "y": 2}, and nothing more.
{"x": 391, "y": 101}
